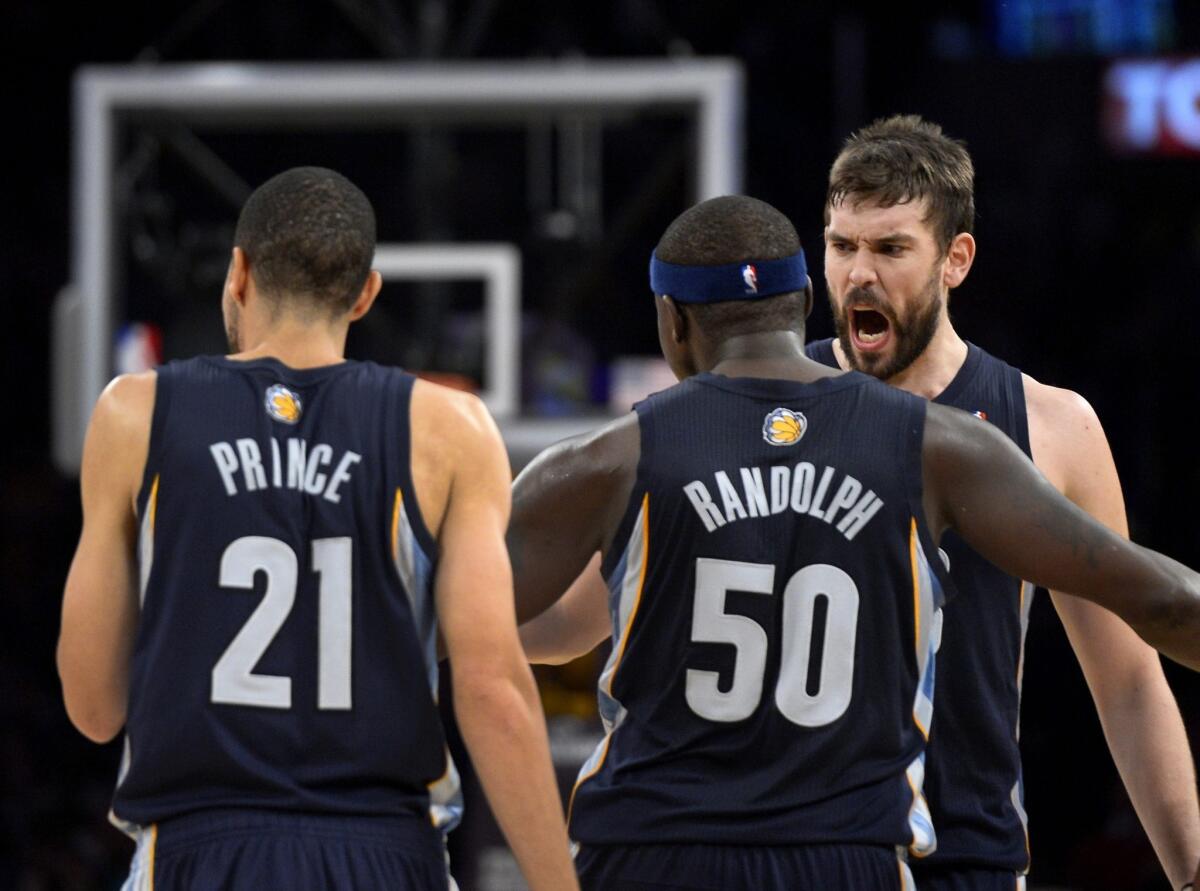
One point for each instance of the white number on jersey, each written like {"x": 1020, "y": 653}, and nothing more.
{"x": 233, "y": 679}
{"x": 810, "y": 701}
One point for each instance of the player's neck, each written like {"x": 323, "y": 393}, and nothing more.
{"x": 932, "y": 371}
{"x": 296, "y": 344}
{"x": 767, "y": 354}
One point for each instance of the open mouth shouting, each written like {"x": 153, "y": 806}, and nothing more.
{"x": 870, "y": 330}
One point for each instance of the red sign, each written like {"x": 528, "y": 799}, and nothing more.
{"x": 1152, "y": 106}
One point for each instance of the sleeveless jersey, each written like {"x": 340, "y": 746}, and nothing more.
{"x": 285, "y": 652}
{"x": 773, "y": 591}
{"x": 973, "y": 777}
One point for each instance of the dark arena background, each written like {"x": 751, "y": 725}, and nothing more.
{"x": 1083, "y": 118}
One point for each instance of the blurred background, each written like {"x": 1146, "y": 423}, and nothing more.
{"x": 1083, "y": 118}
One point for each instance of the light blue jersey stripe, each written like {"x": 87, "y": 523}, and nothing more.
{"x": 145, "y": 557}
{"x": 415, "y": 569}
{"x": 927, "y": 632}
{"x": 625, "y": 590}
{"x": 1017, "y": 795}
{"x": 141, "y": 870}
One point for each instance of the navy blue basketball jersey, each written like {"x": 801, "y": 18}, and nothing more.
{"x": 773, "y": 593}
{"x": 285, "y": 652}
{"x": 973, "y": 777}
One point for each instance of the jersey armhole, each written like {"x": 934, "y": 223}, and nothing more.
{"x": 411, "y": 504}
{"x": 1018, "y": 410}
{"x": 163, "y": 381}
{"x": 616, "y": 548}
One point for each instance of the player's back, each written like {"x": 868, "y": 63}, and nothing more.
{"x": 773, "y": 604}
{"x": 284, "y": 657}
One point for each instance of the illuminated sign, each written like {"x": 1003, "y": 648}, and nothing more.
{"x": 1152, "y": 106}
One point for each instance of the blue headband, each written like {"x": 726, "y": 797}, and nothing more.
{"x": 735, "y": 281}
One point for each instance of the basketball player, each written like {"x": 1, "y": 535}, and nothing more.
{"x": 899, "y": 215}
{"x": 271, "y": 540}
{"x": 769, "y": 532}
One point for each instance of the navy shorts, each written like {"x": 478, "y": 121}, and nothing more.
{"x": 949, "y": 877}
{"x": 735, "y": 868}
{"x": 253, "y": 850}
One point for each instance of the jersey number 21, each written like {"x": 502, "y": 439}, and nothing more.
{"x": 233, "y": 679}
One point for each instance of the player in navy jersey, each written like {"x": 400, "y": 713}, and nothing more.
{"x": 899, "y": 217}
{"x": 271, "y": 542}
{"x": 768, "y": 530}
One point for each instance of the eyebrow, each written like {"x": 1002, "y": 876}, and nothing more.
{"x": 895, "y": 238}
{"x": 891, "y": 238}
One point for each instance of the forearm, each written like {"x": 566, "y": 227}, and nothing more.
{"x": 94, "y": 651}
{"x": 1170, "y": 619}
{"x": 1149, "y": 744}
{"x": 560, "y": 634}
{"x": 574, "y": 625}
{"x": 502, "y": 724}
{"x": 95, "y": 700}
{"x": 546, "y": 638}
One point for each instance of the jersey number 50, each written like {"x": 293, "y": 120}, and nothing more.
{"x": 806, "y": 694}
{"x": 233, "y": 679}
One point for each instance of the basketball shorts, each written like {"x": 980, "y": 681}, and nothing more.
{"x": 734, "y": 868}
{"x": 252, "y": 850}
{"x": 951, "y": 877}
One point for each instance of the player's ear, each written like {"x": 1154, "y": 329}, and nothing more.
{"x": 677, "y": 319}
{"x": 237, "y": 277}
{"x": 959, "y": 257}
{"x": 808, "y": 297}
{"x": 367, "y": 296}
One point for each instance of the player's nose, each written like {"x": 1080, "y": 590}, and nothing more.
{"x": 862, "y": 270}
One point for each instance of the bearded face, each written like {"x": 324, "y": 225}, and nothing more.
{"x": 882, "y": 341}
{"x": 884, "y": 274}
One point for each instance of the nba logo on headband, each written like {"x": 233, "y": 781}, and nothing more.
{"x": 750, "y": 277}
{"x": 728, "y": 281}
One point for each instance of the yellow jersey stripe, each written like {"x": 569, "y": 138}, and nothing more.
{"x": 637, "y": 601}
{"x": 153, "y": 501}
{"x": 916, "y": 590}
{"x": 153, "y": 826}
{"x": 591, "y": 773}
{"x": 395, "y": 539}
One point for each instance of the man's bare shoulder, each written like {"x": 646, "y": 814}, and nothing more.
{"x": 128, "y": 398}
{"x": 455, "y": 442}
{"x": 1064, "y": 429}
{"x": 455, "y": 414}
{"x": 118, "y": 437}
{"x": 121, "y": 420}
{"x": 1063, "y": 412}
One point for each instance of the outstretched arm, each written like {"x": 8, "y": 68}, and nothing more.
{"x": 979, "y": 483}
{"x": 566, "y": 505}
{"x": 495, "y": 698}
{"x": 1137, "y": 710}
{"x": 100, "y": 600}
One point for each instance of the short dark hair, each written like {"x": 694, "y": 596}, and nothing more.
{"x": 309, "y": 236}
{"x": 905, "y": 158}
{"x": 735, "y": 229}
